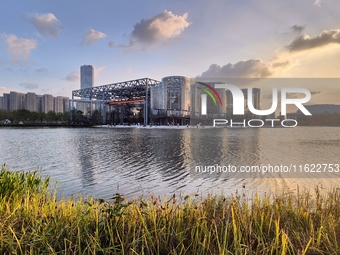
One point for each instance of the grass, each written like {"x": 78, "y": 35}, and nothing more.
{"x": 33, "y": 221}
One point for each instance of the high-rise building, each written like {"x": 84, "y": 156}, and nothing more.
{"x": 1, "y": 103}
{"x": 40, "y": 103}
{"x": 86, "y": 76}
{"x": 60, "y": 104}
{"x": 31, "y": 103}
{"x": 5, "y": 104}
{"x": 47, "y": 103}
{"x": 17, "y": 101}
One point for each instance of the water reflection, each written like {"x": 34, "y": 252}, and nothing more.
{"x": 101, "y": 162}
{"x": 85, "y": 154}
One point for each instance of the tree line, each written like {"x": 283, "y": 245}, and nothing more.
{"x": 73, "y": 117}
{"x": 33, "y": 117}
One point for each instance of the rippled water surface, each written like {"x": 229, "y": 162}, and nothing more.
{"x": 132, "y": 161}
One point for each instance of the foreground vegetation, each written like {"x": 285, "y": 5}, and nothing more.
{"x": 33, "y": 221}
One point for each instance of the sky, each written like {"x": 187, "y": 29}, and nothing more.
{"x": 44, "y": 43}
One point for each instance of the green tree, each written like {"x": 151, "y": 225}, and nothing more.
{"x": 65, "y": 117}
{"x": 97, "y": 117}
{"x": 51, "y": 116}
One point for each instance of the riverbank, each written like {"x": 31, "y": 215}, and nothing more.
{"x": 33, "y": 221}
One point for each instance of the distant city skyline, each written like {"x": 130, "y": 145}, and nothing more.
{"x": 43, "y": 46}
{"x": 33, "y": 102}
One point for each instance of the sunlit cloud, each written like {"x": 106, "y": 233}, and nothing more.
{"x": 252, "y": 68}
{"x": 157, "y": 29}
{"x": 47, "y": 24}
{"x": 20, "y": 48}
{"x": 98, "y": 70}
{"x": 91, "y": 36}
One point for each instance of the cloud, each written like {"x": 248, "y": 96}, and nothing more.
{"x": 98, "y": 70}
{"x": 317, "y": 3}
{"x": 128, "y": 47}
{"x": 305, "y": 42}
{"x": 91, "y": 36}
{"x": 315, "y": 92}
{"x": 252, "y": 68}
{"x": 20, "y": 48}
{"x": 47, "y": 24}
{"x": 29, "y": 85}
{"x": 158, "y": 29}
{"x": 3, "y": 90}
{"x": 297, "y": 29}
{"x": 73, "y": 76}
{"x": 112, "y": 44}
{"x": 41, "y": 70}
{"x": 282, "y": 64}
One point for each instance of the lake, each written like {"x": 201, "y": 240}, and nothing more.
{"x": 137, "y": 161}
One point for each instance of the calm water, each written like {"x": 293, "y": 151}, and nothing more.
{"x": 101, "y": 161}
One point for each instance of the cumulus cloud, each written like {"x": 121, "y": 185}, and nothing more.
{"x": 252, "y": 68}
{"x": 29, "y": 85}
{"x": 91, "y": 36}
{"x": 297, "y": 29}
{"x": 20, "y": 48}
{"x": 305, "y": 42}
{"x": 282, "y": 64}
{"x": 47, "y": 24}
{"x": 158, "y": 29}
{"x": 73, "y": 76}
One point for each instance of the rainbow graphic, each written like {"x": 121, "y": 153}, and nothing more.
{"x": 211, "y": 92}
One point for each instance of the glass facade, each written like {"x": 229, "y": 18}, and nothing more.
{"x": 171, "y": 98}
{"x": 86, "y": 76}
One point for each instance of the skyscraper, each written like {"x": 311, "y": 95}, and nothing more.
{"x": 86, "y": 76}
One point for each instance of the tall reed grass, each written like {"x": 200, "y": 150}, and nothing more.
{"x": 33, "y": 221}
